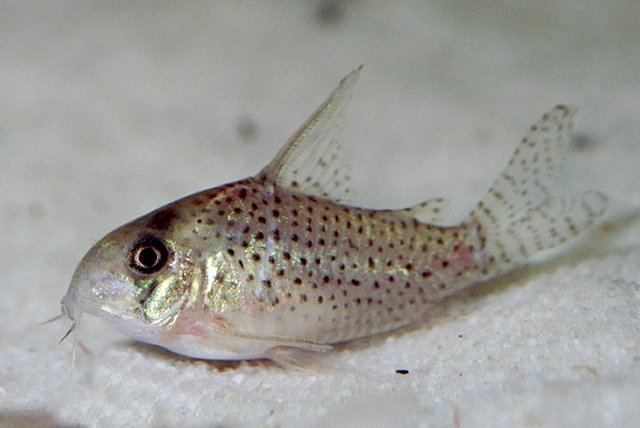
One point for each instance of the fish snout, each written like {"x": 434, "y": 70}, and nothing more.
{"x": 94, "y": 289}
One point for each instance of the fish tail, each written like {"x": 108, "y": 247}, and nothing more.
{"x": 530, "y": 210}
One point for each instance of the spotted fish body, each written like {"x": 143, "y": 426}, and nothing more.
{"x": 275, "y": 263}
{"x": 310, "y": 268}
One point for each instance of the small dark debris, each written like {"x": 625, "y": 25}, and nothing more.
{"x": 402, "y": 371}
{"x": 247, "y": 129}
{"x": 583, "y": 142}
{"x": 329, "y": 12}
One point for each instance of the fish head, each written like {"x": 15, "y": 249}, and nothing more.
{"x": 137, "y": 277}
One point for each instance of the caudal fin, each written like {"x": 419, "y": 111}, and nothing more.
{"x": 529, "y": 210}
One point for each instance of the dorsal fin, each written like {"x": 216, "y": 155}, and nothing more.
{"x": 310, "y": 162}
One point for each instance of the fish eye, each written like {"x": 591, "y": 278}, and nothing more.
{"x": 148, "y": 255}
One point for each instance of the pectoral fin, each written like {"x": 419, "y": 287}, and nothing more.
{"x": 285, "y": 342}
{"x": 296, "y": 358}
{"x": 291, "y": 353}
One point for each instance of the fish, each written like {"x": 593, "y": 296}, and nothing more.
{"x": 278, "y": 266}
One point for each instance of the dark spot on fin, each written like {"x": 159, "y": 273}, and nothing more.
{"x": 162, "y": 219}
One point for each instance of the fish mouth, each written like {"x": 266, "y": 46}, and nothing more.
{"x": 69, "y": 304}
{"x": 107, "y": 296}
{"x": 69, "y": 309}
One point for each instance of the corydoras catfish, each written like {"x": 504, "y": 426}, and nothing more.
{"x": 274, "y": 266}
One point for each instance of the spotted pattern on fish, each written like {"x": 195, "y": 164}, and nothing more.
{"x": 368, "y": 270}
{"x": 280, "y": 262}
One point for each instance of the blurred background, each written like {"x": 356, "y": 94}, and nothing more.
{"x": 111, "y": 109}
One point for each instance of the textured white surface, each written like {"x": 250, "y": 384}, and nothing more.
{"x": 106, "y": 112}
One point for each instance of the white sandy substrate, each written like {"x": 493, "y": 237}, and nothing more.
{"x": 108, "y": 111}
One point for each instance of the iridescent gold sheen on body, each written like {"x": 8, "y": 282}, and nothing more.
{"x": 224, "y": 291}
